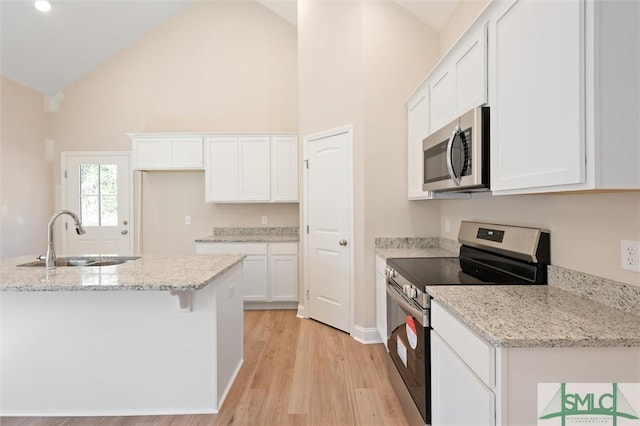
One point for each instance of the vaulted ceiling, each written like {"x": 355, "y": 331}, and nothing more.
{"x": 49, "y": 51}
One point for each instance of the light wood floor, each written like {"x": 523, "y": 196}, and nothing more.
{"x": 295, "y": 372}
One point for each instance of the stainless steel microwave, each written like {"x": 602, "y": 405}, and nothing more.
{"x": 456, "y": 157}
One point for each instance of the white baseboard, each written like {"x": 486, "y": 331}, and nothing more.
{"x": 366, "y": 335}
{"x": 252, "y": 306}
{"x": 301, "y": 313}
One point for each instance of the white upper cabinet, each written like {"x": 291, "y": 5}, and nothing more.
{"x": 222, "y": 165}
{"x": 443, "y": 97}
{"x": 252, "y": 168}
{"x": 470, "y": 64}
{"x": 538, "y": 118}
{"x": 154, "y": 152}
{"x": 563, "y": 95}
{"x": 284, "y": 168}
{"x": 459, "y": 82}
{"x": 254, "y": 183}
{"x": 417, "y": 130}
{"x": 456, "y": 85}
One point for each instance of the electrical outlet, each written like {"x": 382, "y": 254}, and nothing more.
{"x": 187, "y": 220}
{"x": 630, "y": 255}
{"x": 264, "y": 220}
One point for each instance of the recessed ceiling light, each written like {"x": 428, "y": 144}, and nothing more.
{"x": 42, "y": 5}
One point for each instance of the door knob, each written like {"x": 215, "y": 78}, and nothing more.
{"x": 343, "y": 242}
{"x": 124, "y": 232}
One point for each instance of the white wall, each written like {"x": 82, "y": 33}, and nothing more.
{"x": 213, "y": 67}
{"x": 26, "y": 196}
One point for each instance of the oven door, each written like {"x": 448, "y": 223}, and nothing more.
{"x": 408, "y": 342}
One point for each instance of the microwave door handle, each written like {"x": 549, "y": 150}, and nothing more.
{"x": 452, "y": 173}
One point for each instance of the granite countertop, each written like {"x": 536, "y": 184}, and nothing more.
{"x": 390, "y": 253}
{"x": 148, "y": 273}
{"x": 396, "y": 247}
{"x": 256, "y": 235}
{"x": 538, "y": 316}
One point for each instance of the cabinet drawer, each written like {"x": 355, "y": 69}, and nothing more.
{"x": 474, "y": 351}
{"x": 240, "y": 248}
{"x": 283, "y": 248}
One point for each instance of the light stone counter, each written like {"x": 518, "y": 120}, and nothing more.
{"x": 390, "y": 253}
{"x": 538, "y": 316}
{"x": 254, "y": 235}
{"x": 399, "y": 247}
{"x": 148, "y": 273}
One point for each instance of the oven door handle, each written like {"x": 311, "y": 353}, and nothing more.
{"x": 407, "y": 307}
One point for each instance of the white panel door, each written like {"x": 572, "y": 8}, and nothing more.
{"x": 221, "y": 169}
{"x": 458, "y": 396}
{"x": 255, "y": 164}
{"x": 328, "y": 201}
{"x": 97, "y": 188}
{"x": 538, "y": 119}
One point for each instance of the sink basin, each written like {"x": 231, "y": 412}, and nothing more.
{"x": 83, "y": 261}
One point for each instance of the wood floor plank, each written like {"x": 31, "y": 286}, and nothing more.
{"x": 296, "y": 372}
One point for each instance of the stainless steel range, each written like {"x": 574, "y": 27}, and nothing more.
{"x": 490, "y": 254}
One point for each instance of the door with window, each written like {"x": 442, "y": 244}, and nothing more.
{"x": 97, "y": 187}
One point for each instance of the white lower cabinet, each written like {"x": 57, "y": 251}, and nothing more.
{"x": 475, "y": 383}
{"x": 256, "y": 283}
{"x": 459, "y": 396}
{"x": 381, "y": 299}
{"x": 270, "y": 270}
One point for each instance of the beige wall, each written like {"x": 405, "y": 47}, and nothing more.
{"x": 26, "y": 200}
{"x": 398, "y": 51}
{"x": 214, "y": 67}
{"x": 586, "y": 229}
{"x": 358, "y": 63}
{"x": 164, "y": 229}
{"x": 459, "y": 21}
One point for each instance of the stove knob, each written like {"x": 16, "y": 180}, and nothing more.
{"x": 387, "y": 272}
{"x": 392, "y": 273}
{"x": 411, "y": 292}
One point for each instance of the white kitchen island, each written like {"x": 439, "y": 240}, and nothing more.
{"x": 158, "y": 335}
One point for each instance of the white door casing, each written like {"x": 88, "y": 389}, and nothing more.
{"x": 107, "y": 234}
{"x": 328, "y": 210}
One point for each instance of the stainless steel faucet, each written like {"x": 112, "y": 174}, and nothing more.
{"x": 50, "y": 259}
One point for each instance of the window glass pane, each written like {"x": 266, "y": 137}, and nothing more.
{"x": 89, "y": 179}
{"x": 109, "y": 210}
{"x": 108, "y": 179}
{"x": 89, "y": 215}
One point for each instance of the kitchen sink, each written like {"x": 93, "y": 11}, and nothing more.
{"x": 83, "y": 261}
